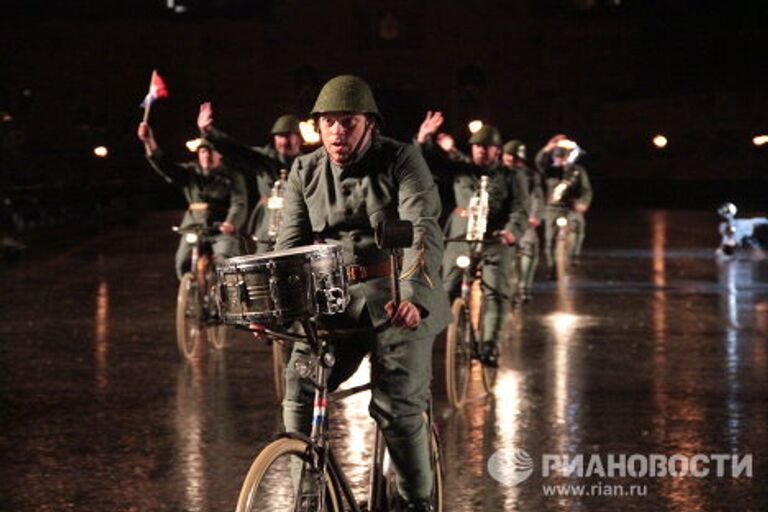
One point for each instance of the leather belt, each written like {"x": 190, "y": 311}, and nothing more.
{"x": 360, "y": 273}
{"x": 198, "y": 206}
{"x": 462, "y": 212}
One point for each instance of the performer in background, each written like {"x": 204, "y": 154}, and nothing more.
{"x": 568, "y": 194}
{"x": 527, "y": 260}
{"x": 507, "y": 220}
{"x": 214, "y": 193}
{"x": 262, "y": 166}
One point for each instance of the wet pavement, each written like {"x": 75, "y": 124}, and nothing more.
{"x": 649, "y": 347}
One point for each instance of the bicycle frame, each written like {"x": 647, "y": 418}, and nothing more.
{"x": 316, "y": 368}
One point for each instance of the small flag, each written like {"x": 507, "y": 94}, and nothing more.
{"x": 157, "y": 90}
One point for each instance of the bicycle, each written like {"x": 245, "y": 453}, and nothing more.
{"x": 298, "y": 472}
{"x": 196, "y": 306}
{"x": 465, "y": 333}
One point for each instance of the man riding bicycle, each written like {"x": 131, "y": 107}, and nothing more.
{"x": 215, "y": 195}
{"x": 338, "y": 194}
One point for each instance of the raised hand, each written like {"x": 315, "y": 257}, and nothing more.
{"x": 446, "y": 142}
{"x": 432, "y": 122}
{"x": 554, "y": 140}
{"x": 205, "y": 117}
{"x": 144, "y": 132}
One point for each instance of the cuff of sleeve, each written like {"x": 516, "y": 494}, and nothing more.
{"x": 417, "y": 292}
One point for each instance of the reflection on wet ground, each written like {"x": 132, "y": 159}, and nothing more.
{"x": 649, "y": 347}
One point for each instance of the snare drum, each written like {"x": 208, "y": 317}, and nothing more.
{"x": 283, "y": 285}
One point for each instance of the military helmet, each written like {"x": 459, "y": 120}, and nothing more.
{"x": 346, "y": 93}
{"x": 285, "y": 124}
{"x": 515, "y": 148}
{"x": 487, "y": 135}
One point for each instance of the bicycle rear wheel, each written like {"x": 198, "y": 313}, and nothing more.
{"x": 188, "y": 313}
{"x": 279, "y": 481}
{"x": 458, "y": 354}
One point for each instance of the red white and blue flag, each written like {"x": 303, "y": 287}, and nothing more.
{"x": 157, "y": 90}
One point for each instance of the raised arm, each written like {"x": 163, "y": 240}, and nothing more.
{"x": 171, "y": 172}
{"x": 235, "y": 153}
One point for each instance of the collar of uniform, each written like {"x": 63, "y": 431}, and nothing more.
{"x": 351, "y": 168}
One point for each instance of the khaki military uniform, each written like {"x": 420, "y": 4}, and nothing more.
{"x": 342, "y": 206}
{"x": 528, "y": 248}
{"x": 214, "y": 197}
{"x": 508, "y": 200}
{"x": 579, "y": 191}
{"x": 261, "y": 166}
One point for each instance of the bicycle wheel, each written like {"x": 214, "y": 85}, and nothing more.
{"x": 217, "y": 335}
{"x": 272, "y": 483}
{"x": 188, "y": 329}
{"x": 458, "y": 354}
{"x": 280, "y": 355}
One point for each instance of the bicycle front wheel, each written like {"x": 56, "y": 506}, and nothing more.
{"x": 188, "y": 329}
{"x": 458, "y": 354}
{"x": 280, "y": 480}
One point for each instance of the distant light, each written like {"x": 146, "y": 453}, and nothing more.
{"x": 759, "y": 140}
{"x": 194, "y": 144}
{"x": 475, "y": 125}
{"x": 308, "y": 132}
{"x": 660, "y": 141}
{"x": 7, "y": 118}
{"x": 100, "y": 151}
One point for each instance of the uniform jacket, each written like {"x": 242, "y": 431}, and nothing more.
{"x": 342, "y": 206}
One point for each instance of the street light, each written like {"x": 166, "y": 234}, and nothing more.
{"x": 100, "y": 151}
{"x": 475, "y": 125}
{"x": 760, "y": 140}
{"x": 660, "y": 141}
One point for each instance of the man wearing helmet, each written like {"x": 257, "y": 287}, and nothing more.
{"x": 568, "y": 194}
{"x": 261, "y": 165}
{"x": 507, "y": 218}
{"x": 338, "y": 194}
{"x": 214, "y": 193}
{"x": 514, "y": 158}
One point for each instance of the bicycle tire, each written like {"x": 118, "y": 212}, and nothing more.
{"x": 458, "y": 354}
{"x": 217, "y": 335}
{"x": 280, "y": 452}
{"x": 187, "y": 317}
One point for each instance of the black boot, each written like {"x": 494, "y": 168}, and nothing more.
{"x": 424, "y": 505}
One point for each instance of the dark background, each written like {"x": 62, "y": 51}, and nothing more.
{"x": 609, "y": 73}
